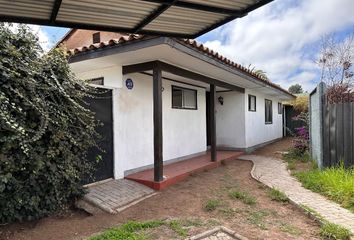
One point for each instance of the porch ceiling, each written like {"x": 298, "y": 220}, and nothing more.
{"x": 183, "y": 18}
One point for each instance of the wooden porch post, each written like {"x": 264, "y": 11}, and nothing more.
{"x": 157, "y": 112}
{"x": 212, "y": 122}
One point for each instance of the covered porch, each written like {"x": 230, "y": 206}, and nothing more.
{"x": 178, "y": 171}
{"x": 162, "y": 176}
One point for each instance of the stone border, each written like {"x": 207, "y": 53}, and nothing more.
{"x": 216, "y": 230}
{"x": 313, "y": 215}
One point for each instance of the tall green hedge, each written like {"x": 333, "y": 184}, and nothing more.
{"x": 44, "y": 129}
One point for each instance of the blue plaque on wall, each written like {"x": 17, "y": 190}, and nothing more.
{"x": 129, "y": 83}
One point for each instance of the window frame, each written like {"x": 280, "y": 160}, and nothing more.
{"x": 271, "y": 111}
{"x": 249, "y": 103}
{"x": 184, "y": 88}
{"x": 89, "y": 81}
{"x": 280, "y": 108}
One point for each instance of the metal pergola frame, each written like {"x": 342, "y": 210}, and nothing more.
{"x": 163, "y": 5}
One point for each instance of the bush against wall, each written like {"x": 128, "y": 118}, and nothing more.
{"x": 45, "y": 131}
{"x": 301, "y": 141}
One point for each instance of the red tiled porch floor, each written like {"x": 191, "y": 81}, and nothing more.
{"x": 178, "y": 171}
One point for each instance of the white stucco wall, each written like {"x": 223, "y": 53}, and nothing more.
{"x": 184, "y": 131}
{"x": 112, "y": 75}
{"x": 230, "y": 120}
{"x": 257, "y": 131}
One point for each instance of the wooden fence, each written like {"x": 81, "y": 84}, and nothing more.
{"x": 338, "y": 133}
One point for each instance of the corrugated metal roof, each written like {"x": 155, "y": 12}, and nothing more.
{"x": 229, "y": 4}
{"x": 188, "y": 42}
{"x": 183, "y": 18}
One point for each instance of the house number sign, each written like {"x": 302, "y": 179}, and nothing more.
{"x": 129, "y": 83}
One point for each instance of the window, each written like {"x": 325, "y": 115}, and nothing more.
{"x": 96, "y": 81}
{"x": 268, "y": 112}
{"x": 251, "y": 103}
{"x": 184, "y": 98}
{"x": 280, "y": 108}
{"x": 96, "y": 37}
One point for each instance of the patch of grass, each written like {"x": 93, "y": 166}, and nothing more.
{"x": 229, "y": 212}
{"x": 277, "y": 195}
{"x": 291, "y": 165}
{"x": 336, "y": 183}
{"x": 128, "y": 231}
{"x": 212, "y": 204}
{"x": 258, "y": 218}
{"x": 245, "y": 197}
{"x": 292, "y": 230}
{"x": 333, "y": 231}
{"x": 212, "y": 222}
{"x": 329, "y": 231}
{"x": 195, "y": 222}
{"x": 295, "y": 155}
{"x": 135, "y": 230}
{"x": 177, "y": 227}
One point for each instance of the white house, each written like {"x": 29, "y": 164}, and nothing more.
{"x": 175, "y": 98}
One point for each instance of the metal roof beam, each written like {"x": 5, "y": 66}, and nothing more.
{"x": 55, "y": 10}
{"x": 201, "y": 7}
{"x": 162, "y": 8}
{"x": 233, "y": 17}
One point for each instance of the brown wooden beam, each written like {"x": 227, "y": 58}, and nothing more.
{"x": 139, "y": 67}
{"x": 198, "y": 77}
{"x": 212, "y": 122}
{"x": 142, "y": 67}
{"x": 157, "y": 112}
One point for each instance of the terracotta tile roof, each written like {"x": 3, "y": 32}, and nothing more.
{"x": 188, "y": 42}
{"x": 112, "y": 42}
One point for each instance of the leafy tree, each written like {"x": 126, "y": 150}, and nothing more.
{"x": 45, "y": 128}
{"x": 295, "y": 89}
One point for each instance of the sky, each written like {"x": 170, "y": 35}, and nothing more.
{"x": 282, "y": 38}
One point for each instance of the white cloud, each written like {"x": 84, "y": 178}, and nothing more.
{"x": 280, "y": 37}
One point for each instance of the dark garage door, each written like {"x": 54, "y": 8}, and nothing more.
{"x": 102, "y": 106}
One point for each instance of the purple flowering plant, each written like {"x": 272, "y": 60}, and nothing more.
{"x": 301, "y": 141}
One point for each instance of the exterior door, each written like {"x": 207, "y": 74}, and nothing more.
{"x": 102, "y": 107}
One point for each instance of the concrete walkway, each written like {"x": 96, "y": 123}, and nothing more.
{"x": 114, "y": 196}
{"x": 273, "y": 173}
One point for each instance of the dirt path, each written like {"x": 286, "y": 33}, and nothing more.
{"x": 274, "y": 149}
{"x": 265, "y": 220}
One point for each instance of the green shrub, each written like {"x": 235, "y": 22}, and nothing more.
{"x": 337, "y": 183}
{"x": 277, "y": 195}
{"x": 334, "y": 232}
{"x": 243, "y": 196}
{"x": 45, "y": 130}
